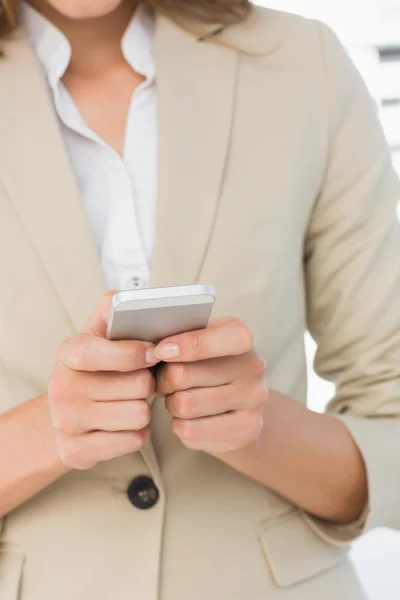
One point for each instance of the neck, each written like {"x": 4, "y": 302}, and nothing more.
{"x": 95, "y": 42}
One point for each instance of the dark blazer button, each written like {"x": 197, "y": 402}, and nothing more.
{"x": 143, "y": 493}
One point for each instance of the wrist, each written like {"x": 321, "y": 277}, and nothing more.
{"x": 308, "y": 458}
{"x": 30, "y": 423}
{"x": 27, "y": 438}
{"x": 43, "y": 431}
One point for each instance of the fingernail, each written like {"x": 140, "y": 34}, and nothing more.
{"x": 165, "y": 351}
{"x": 150, "y": 356}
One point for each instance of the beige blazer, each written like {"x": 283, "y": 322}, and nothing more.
{"x": 275, "y": 186}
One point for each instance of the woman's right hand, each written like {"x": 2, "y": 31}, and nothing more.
{"x": 97, "y": 394}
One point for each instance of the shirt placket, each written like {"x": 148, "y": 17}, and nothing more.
{"x": 123, "y": 254}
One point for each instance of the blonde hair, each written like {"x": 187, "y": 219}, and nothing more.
{"x": 8, "y": 16}
{"x": 224, "y": 12}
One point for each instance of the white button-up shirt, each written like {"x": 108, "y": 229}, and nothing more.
{"x": 119, "y": 194}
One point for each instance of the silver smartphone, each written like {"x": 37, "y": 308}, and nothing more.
{"x": 153, "y": 314}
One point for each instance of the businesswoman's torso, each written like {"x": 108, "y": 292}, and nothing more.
{"x": 218, "y": 183}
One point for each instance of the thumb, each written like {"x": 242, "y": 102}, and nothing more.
{"x": 97, "y": 323}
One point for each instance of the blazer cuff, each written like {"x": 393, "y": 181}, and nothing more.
{"x": 338, "y": 535}
{"x": 378, "y": 440}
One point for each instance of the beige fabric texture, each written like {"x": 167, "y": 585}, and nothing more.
{"x": 275, "y": 185}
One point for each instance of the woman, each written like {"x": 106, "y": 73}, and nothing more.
{"x": 274, "y": 183}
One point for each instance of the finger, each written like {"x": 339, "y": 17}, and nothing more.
{"x": 229, "y": 431}
{"x": 85, "y": 352}
{"x": 173, "y": 377}
{"x": 203, "y": 402}
{"x": 83, "y": 452}
{"x": 223, "y": 337}
{"x": 106, "y": 387}
{"x": 97, "y": 323}
{"x": 123, "y": 415}
{"x": 127, "y": 415}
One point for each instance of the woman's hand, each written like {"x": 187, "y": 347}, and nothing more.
{"x": 214, "y": 383}
{"x": 97, "y": 395}
{"x": 215, "y": 390}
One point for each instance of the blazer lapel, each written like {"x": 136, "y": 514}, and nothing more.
{"x": 196, "y": 91}
{"x": 40, "y": 182}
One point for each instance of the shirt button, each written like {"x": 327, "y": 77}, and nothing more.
{"x": 135, "y": 283}
{"x": 143, "y": 493}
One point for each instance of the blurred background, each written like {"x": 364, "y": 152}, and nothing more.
{"x": 370, "y": 30}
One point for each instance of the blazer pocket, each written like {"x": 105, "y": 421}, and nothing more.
{"x": 11, "y": 565}
{"x": 293, "y": 551}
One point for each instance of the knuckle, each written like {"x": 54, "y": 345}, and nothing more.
{"x": 76, "y": 351}
{"x": 58, "y": 388}
{"x": 145, "y": 383}
{"x": 62, "y": 396}
{"x": 139, "y": 439}
{"x": 60, "y": 418}
{"x": 132, "y": 353}
{"x": 183, "y": 404}
{"x": 190, "y": 444}
{"x": 245, "y": 336}
{"x": 62, "y": 350}
{"x": 70, "y": 452}
{"x": 229, "y": 446}
{"x": 251, "y": 427}
{"x": 260, "y": 364}
{"x": 256, "y": 391}
{"x": 143, "y": 414}
{"x": 177, "y": 374}
{"x": 65, "y": 419}
{"x": 255, "y": 425}
{"x": 198, "y": 343}
{"x": 64, "y": 385}
{"x": 260, "y": 394}
{"x": 183, "y": 429}
{"x": 150, "y": 384}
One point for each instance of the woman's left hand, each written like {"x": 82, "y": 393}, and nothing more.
{"x": 214, "y": 383}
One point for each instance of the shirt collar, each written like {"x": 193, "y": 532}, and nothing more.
{"x": 49, "y": 44}
{"x": 137, "y": 42}
{"x": 54, "y": 51}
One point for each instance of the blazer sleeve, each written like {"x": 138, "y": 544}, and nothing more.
{"x": 352, "y": 266}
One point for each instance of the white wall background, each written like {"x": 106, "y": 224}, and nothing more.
{"x": 362, "y": 25}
